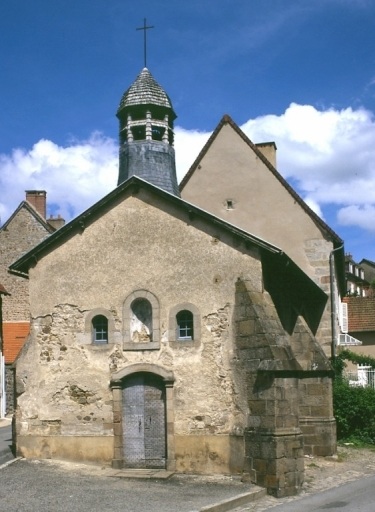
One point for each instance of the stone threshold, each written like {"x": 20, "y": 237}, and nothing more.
{"x": 147, "y": 474}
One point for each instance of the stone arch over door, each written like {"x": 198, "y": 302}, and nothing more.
{"x": 145, "y": 385}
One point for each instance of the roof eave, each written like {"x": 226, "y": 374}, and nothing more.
{"x": 22, "y": 265}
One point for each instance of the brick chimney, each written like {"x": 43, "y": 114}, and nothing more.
{"x": 37, "y": 199}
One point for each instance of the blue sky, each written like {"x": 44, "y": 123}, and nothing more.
{"x": 298, "y": 72}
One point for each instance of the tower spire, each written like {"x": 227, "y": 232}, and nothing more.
{"x": 145, "y": 28}
{"x": 146, "y": 120}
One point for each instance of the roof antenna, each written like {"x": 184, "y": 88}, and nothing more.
{"x": 145, "y": 28}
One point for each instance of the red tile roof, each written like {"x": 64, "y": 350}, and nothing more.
{"x": 361, "y": 313}
{"x": 14, "y": 336}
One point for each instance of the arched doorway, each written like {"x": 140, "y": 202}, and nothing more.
{"x": 144, "y": 421}
{"x": 149, "y": 387}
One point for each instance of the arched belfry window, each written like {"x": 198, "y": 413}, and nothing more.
{"x": 185, "y": 325}
{"x": 100, "y": 330}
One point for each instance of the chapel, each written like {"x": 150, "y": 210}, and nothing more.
{"x": 164, "y": 336}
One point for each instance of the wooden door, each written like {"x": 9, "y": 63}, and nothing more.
{"x": 144, "y": 435}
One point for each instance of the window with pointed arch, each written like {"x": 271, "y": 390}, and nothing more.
{"x": 100, "y": 330}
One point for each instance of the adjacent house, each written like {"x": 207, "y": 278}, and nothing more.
{"x": 24, "y": 229}
{"x": 361, "y": 323}
{"x": 356, "y": 284}
{"x": 369, "y": 268}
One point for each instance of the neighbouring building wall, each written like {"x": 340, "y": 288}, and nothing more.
{"x": 361, "y": 323}
{"x": 17, "y": 236}
{"x": 20, "y": 235}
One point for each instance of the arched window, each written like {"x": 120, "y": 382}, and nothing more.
{"x": 141, "y": 321}
{"x": 185, "y": 325}
{"x": 141, "y": 314}
{"x": 100, "y": 330}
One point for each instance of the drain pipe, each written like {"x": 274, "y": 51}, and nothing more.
{"x": 333, "y": 301}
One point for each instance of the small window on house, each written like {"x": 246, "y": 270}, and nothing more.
{"x": 185, "y": 325}
{"x": 100, "y": 330}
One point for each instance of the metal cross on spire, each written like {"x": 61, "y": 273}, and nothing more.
{"x": 145, "y": 28}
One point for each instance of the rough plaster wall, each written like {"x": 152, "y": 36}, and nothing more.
{"x": 133, "y": 246}
{"x": 67, "y": 389}
{"x": 21, "y": 235}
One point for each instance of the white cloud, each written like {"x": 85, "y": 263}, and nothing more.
{"x": 329, "y": 156}
{"x": 74, "y": 176}
{"x": 188, "y": 144}
{"x": 362, "y": 216}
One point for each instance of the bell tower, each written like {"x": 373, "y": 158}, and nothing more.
{"x": 146, "y": 134}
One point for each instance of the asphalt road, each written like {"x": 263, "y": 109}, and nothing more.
{"x": 40, "y": 486}
{"x": 357, "y": 496}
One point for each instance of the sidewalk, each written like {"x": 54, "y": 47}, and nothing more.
{"x": 5, "y": 422}
{"x": 5, "y": 440}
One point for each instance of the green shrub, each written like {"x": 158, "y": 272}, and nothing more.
{"x": 354, "y": 409}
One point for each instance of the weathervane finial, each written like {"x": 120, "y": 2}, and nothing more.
{"x": 145, "y": 28}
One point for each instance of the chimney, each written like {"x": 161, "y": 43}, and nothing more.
{"x": 269, "y": 151}
{"x": 37, "y": 199}
{"x": 56, "y": 222}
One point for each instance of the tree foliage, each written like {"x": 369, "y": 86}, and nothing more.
{"x": 354, "y": 407}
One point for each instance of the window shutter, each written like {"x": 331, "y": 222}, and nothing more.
{"x": 344, "y": 317}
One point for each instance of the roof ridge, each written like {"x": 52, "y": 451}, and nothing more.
{"x": 33, "y": 212}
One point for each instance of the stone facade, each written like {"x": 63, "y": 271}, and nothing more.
{"x": 233, "y": 393}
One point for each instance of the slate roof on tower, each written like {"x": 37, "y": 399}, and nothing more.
{"x": 145, "y": 91}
